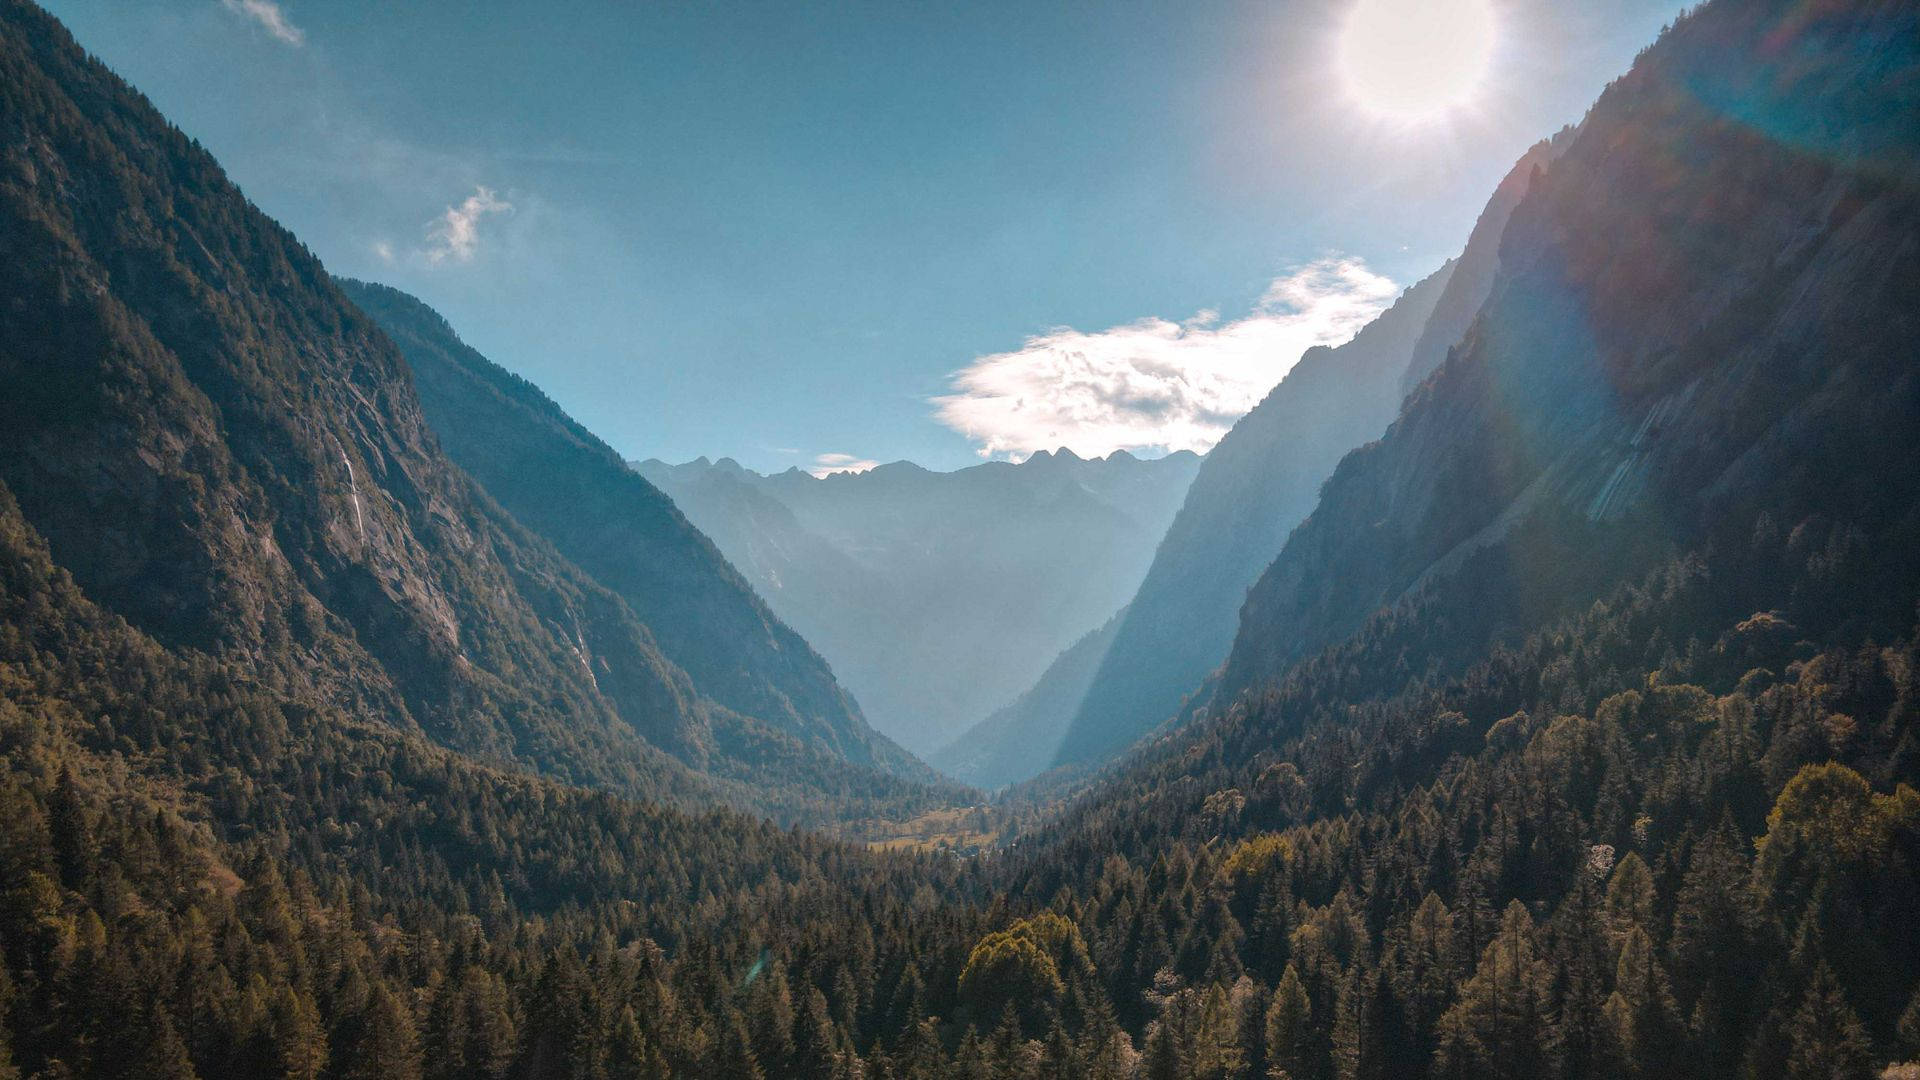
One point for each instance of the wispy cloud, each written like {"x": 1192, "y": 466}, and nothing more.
{"x": 828, "y": 464}
{"x": 455, "y": 235}
{"x": 269, "y": 15}
{"x": 1155, "y": 384}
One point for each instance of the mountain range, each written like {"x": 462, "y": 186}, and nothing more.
{"x": 938, "y": 597}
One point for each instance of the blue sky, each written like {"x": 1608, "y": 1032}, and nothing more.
{"x": 777, "y": 231}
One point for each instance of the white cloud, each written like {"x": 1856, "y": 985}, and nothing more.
{"x": 1155, "y": 384}
{"x": 268, "y": 15}
{"x": 383, "y": 251}
{"x": 828, "y": 464}
{"x": 455, "y": 235}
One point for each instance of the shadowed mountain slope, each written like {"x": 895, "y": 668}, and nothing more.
{"x": 1252, "y": 490}
{"x": 1705, "y": 310}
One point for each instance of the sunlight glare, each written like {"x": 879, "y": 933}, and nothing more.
{"x": 1411, "y": 59}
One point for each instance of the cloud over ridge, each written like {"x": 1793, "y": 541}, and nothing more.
{"x": 1156, "y": 384}
{"x": 828, "y": 464}
{"x": 455, "y": 235}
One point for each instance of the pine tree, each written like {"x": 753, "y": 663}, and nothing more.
{"x": 1826, "y": 1039}
{"x": 1288, "y": 1020}
{"x": 1716, "y": 964}
{"x": 1012, "y": 1055}
{"x": 72, "y": 835}
{"x": 1162, "y": 1058}
{"x": 1641, "y": 1013}
{"x": 1496, "y": 1026}
{"x": 733, "y": 1052}
{"x": 770, "y": 1019}
{"x": 299, "y": 1040}
{"x": 1630, "y": 896}
{"x": 386, "y": 1046}
{"x": 1427, "y": 974}
{"x": 971, "y": 1061}
{"x": 918, "y": 1052}
{"x": 1349, "y": 1027}
{"x": 1059, "y": 1057}
{"x": 163, "y": 1058}
{"x": 816, "y": 1047}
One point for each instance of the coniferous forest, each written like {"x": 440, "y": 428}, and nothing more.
{"x": 1574, "y": 734}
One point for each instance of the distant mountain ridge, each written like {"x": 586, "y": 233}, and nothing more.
{"x": 938, "y": 597}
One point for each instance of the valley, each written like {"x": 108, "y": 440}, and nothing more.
{"x": 1525, "y": 685}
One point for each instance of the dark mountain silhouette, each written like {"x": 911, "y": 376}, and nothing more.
{"x": 1703, "y": 311}
{"x": 1472, "y": 278}
{"x": 1263, "y": 479}
{"x": 938, "y": 597}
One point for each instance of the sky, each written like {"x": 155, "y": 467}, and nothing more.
{"x": 828, "y": 234}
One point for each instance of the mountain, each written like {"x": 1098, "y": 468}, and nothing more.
{"x": 938, "y": 597}
{"x": 1700, "y": 313}
{"x": 1574, "y": 732}
{"x": 1472, "y": 278}
{"x": 1019, "y": 739}
{"x": 559, "y": 480}
{"x": 1263, "y": 478}
{"x": 222, "y": 449}
{"x": 1255, "y": 486}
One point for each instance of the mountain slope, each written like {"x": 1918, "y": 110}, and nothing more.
{"x": 1704, "y": 311}
{"x": 1255, "y": 486}
{"x": 223, "y": 450}
{"x": 559, "y": 480}
{"x": 938, "y": 597}
{"x": 1472, "y": 279}
{"x": 1019, "y": 740}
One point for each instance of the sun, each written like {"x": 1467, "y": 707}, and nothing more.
{"x": 1413, "y": 59}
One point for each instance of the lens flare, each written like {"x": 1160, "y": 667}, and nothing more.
{"x": 1412, "y": 59}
